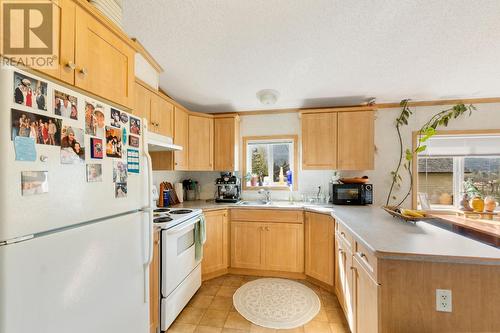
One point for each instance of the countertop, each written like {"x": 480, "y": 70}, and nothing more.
{"x": 387, "y": 236}
{"x": 208, "y": 205}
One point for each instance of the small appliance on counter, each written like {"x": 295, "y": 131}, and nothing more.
{"x": 228, "y": 188}
{"x": 351, "y": 194}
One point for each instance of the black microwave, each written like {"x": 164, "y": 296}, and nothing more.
{"x": 351, "y": 194}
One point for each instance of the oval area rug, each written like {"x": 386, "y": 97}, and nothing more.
{"x": 276, "y": 303}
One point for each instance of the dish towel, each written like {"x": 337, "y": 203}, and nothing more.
{"x": 200, "y": 234}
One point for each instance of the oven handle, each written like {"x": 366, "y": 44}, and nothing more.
{"x": 183, "y": 226}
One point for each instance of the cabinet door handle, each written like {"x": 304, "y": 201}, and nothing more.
{"x": 267, "y": 228}
{"x": 71, "y": 65}
{"x": 84, "y": 71}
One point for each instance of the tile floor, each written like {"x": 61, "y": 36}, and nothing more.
{"x": 211, "y": 311}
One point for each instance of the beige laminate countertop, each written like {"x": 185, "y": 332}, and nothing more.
{"x": 389, "y": 237}
{"x": 386, "y": 236}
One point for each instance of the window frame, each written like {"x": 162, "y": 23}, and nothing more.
{"x": 458, "y": 166}
{"x": 251, "y": 139}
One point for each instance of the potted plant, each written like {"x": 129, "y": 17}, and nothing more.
{"x": 477, "y": 202}
{"x": 428, "y": 130}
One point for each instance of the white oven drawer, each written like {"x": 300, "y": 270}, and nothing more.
{"x": 179, "y": 298}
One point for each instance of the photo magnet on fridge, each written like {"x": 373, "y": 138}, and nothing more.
{"x": 133, "y": 141}
{"x": 133, "y": 160}
{"x": 30, "y": 92}
{"x": 113, "y": 142}
{"x": 124, "y": 118}
{"x": 65, "y": 105}
{"x": 120, "y": 190}
{"x": 135, "y": 126}
{"x": 94, "y": 119}
{"x": 119, "y": 172}
{"x": 96, "y": 148}
{"x": 72, "y": 145}
{"x": 44, "y": 130}
{"x": 94, "y": 173}
{"x": 115, "y": 118}
{"x": 34, "y": 182}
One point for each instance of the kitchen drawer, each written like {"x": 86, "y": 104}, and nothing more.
{"x": 267, "y": 215}
{"x": 367, "y": 259}
{"x": 345, "y": 235}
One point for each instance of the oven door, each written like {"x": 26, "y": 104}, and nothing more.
{"x": 347, "y": 194}
{"x": 178, "y": 255}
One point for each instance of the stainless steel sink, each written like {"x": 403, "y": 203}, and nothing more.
{"x": 254, "y": 203}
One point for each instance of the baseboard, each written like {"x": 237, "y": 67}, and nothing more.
{"x": 258, "y": 272}
{"x": 213, "y": 275}
{"x": 321, "y": 284}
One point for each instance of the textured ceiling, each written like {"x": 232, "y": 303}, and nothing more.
{"x": 218, "y": 53}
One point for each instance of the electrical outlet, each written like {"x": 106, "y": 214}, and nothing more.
{"x": 443, "y": 300}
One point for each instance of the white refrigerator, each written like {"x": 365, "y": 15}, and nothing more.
{"x": 73, "y": 256}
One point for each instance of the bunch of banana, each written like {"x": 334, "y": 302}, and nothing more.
{"x": 412, "y": 212}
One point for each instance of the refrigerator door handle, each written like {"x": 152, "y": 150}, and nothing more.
{"x": 148, "y": 210}
{"x": 150, "y": 193}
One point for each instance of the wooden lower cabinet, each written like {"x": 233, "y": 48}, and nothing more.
{"x": 344, "y": 279}
{"x": 154, "y": 285}
{"x": 284, "y": 247}
{"x": 319, "y": 247}
{"x": 365, "y": 299}
{"x": 267, "y": 246}
{"x": 216, "y": 248}
{"x": 246, "y": 245}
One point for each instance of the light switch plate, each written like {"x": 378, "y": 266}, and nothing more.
{"x": 443, "y": 300}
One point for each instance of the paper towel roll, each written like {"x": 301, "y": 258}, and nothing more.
{"x": 180, "y": 191}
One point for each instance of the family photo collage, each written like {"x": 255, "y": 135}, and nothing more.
{"x": 57, "y": 129}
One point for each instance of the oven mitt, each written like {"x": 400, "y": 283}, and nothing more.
{"x": 200, "y": 237}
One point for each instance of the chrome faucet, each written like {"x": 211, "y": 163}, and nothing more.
{"x": 267, "y": 193}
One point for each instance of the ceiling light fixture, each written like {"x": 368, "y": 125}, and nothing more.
{"x": 268, "y": 96}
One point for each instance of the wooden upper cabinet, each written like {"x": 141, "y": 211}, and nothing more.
{"x": 216, "y": 248}
{"x": 181, "y": 138}
{"x": 64, "y": 17}
{"x": 104, "y": 63}
{"x": 319, "y": 247}
{"x": 200, "y": 143}
{"x": 164, "y": 116}
{"x": 142, "y": 102}
{"x": 356, "y": 140}
{"x": 226, "y": 143}
{"x": 319, "y": 140}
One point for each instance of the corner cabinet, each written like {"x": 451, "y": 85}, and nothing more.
{"x": 319, "y": 247}
{"x": 342, "y": 140}
{"x": 226, "y": 143}
{"x": 200, "y": 142}
{"x": 216, "y": 248}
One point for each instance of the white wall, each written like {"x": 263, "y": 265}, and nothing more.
{"x": 487, "y": 116}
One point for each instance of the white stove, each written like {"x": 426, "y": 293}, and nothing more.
{"x": 167, "y": 218}
{"x": 180, "y": 272}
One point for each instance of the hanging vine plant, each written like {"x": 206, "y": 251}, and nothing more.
{"x": 428, "y": 130}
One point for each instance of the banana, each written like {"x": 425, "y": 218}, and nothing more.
{"x": 412, "y": 213}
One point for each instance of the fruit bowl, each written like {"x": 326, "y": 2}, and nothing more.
{"x": 404, "y": 214}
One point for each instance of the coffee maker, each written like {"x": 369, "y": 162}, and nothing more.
{"x": 228, "y": 188}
